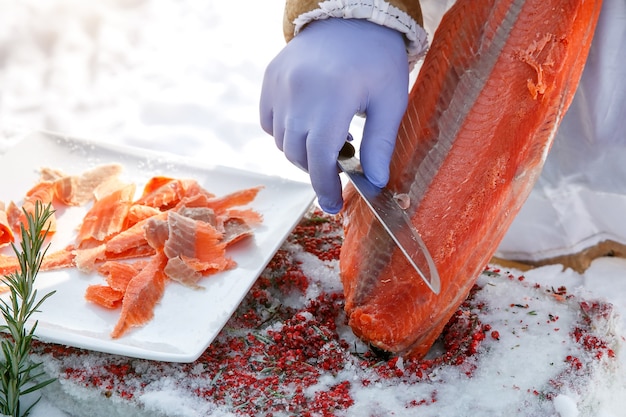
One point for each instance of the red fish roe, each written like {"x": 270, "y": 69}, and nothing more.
{"x": 319, "y": 236}
{"x": 286, "y": 350}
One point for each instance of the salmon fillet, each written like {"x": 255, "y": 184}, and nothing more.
{"x": 194, "y": 248}
{"x": 142, "y": 294}
{"x": 104, "y": 296}
{"x": 237, "y": 198}
{"x": 77, "y": 190}
{"x": 42, "y": 192}
{"x": 119, "y": 274}
{"x": 481, "y": 118}
{"x": 164, "y": 192}
{"x": 106, "y": 217}
{"x": 63, "y": 258}
{"x": 6, "y": 231}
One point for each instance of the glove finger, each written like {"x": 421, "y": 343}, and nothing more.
{"x": 278, "y": 131}
{"x": 379, "y": 139}
{"x": 267, "y": 122}
{"x": 266, "y": 102}
{"x": 294, "y": 146}
{"x": 375, "y": 153}
{"x": 266, "y": 114}
{"x": 322, "y": 164}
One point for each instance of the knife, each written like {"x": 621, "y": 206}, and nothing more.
{"x": 393, "y": 218}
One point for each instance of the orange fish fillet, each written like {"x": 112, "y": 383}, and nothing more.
{"x": 6, "y": 231}
{"x": 87, "y": 258}
{"x": 64, "y": 258}
{"x": 238, "y": 198}
{"x": 142, "y": 294}
{"x": 139, "y": 212}
{"x": 119, "y": 274}
{"x": 106, "y": 217}
{"x": 164, "y": 192}
{"x": 132, "y": 237}
{"x": 76, "y": 190}
{"x": 104, "y": 296}
{"x": 42, "y": 192}
{"x": 194, "y": 249}
{"x": 8, "y": 264}
{"x": 493, "y": 88}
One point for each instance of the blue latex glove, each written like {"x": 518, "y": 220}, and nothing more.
{"x": 332, "y": 70}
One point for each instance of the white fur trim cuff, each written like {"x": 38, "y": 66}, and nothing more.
{"x": 377, "y": 11}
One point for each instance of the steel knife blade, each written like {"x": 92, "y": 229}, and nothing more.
{"x": 393, "y": 218}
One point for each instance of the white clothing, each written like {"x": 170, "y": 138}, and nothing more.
{"x": 580, "y": 198}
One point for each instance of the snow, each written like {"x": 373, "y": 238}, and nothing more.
{"x": 565, "y": 406}
{"x": 185, "y": 77}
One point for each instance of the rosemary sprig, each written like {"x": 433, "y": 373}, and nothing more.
{"x": 18, "y": 374}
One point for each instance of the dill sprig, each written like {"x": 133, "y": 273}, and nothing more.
{"x": 19, "y": 375}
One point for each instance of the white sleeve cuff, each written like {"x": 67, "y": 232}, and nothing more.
{"x": 376, "y": 11}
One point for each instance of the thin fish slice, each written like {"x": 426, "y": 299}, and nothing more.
{"x": 77, "y": 190}
{"x": 6, "y": 231}
{"x": 118, "y": 274}
{"x": 164, "y": 192}
{"x": 104, "y": 296}
{"x": 42, "y": 192}
{"x": 194, "y": 248}
{"x": 143, "y": 293}
{"x": 106, "y": 217}
{"x": 63, "y": 258}
{"x": 237, "y": 198}
{"x": 140, "y": 212}
{"x": 132, "y": 237}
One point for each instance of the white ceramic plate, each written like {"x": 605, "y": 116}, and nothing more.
{"x": 186, "y": 321}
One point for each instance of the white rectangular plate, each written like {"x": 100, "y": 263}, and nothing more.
{"x": 186, "y": 321}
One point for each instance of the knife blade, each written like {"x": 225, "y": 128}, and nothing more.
{"x": 393, "y": 218}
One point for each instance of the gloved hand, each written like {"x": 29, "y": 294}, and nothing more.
{"x": 332, "y": 70}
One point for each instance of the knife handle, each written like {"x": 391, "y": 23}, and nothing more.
{"x": 347, "y": 151}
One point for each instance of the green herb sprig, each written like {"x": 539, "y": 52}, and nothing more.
{"x": 18, "y": 374}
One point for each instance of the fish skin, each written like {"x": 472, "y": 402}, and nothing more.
{"x": 481, "y": 118}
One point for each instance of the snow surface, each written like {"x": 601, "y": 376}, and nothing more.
{"x": 185, "y": 77}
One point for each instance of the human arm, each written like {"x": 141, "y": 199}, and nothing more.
{"x": 340, "y": 61}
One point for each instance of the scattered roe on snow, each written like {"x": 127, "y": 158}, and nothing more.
{"x": 288, "y": 351}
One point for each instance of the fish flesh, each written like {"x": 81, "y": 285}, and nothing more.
{"x": 77, "y": 190}
{"x": 60, "y": 259}
{"x": 42, "y": 192}
{"x": 6, "y": 230}
{"x": 482, "y": 114}
{"x": 142, "y": 294}
{"x": 106, "y": 218}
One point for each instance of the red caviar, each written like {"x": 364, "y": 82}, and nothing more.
{"x": 271, "y": 356}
